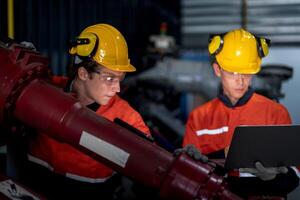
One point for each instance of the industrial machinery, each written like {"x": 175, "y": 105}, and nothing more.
{"x": 270, "y": 78}
{"x": 167, "y": 92}
{"x": 27, "y": 97}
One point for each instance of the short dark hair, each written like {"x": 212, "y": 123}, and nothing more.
{"x": 213, "y": 60}
{"x": 89, "y": 64}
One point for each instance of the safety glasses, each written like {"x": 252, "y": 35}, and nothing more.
{"x": 110, "y": 79}
{"x": 235, "y": 74}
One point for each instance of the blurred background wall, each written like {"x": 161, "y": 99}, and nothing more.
{"x": 50, "y": 24}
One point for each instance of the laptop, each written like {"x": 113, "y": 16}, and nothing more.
{"x": 273, "y": 146}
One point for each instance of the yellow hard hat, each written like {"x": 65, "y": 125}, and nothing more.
{"x": 239, "y": 51}
{"x": 104, "y": 44}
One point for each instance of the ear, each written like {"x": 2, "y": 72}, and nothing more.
{"x": 217, "y": 69}
{"x": 82, "y": 73}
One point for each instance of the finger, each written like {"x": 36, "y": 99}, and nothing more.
{"x": 186, "y": 149}
{"x": 189, "y": 146}
{"x": 197, "y": 156}
{"x": 259, "y": 166}
{"x": 204, "y": 158}
{"x": 189, "y": 151}
{"x": 283, "y": 170}
{"x": 266, "y": 177}
{"x": 177, "y": 152}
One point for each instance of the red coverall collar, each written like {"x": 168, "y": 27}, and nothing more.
{"x": 240, "y": 102}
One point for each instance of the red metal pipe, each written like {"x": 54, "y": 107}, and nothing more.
{"x": 49, "y": 110}
{"x": 52, "y": 112}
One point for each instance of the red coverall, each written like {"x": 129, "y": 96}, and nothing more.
{"x": 64, "y": 159}
{"x": 210, "y": 127}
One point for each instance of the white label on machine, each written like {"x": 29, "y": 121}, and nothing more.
{"x": 14, "y": 191}
{"x": 104, "y": 149}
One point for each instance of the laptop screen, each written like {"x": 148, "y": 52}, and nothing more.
{"x": 273, "y": 146}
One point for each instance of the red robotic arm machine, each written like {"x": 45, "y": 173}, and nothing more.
{"x": 27, "y": 96}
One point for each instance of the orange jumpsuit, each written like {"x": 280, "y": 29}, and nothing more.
{"x": 64, "y": 159}
{"x": 210, "y": 127}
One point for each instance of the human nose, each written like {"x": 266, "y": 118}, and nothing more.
{"x": 116, "y": 86}
{"x": 239, "y": 79}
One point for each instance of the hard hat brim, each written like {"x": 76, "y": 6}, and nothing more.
{"x": 121, "y": 68}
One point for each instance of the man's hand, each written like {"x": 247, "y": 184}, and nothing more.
{"x": 192, "y": 151}
{"x": 265, "y": 173}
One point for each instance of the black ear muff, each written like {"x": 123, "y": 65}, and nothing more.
{"x": 263, "y": 45}
{"x": 216, "y": 43}
{"x": 85, "y": 45}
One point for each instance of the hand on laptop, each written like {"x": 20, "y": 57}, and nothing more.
{"x": 191, "y": 151}
{"x": 265, "y": 173}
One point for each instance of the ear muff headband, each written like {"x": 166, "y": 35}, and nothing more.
{"x": 263, "y": 45}
{"x": 84, "y": 45}
{"x": 216, "y": 43}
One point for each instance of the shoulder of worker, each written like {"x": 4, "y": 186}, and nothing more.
{"x": 260, "y": 99}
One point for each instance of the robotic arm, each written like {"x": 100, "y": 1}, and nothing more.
{"x": 26, "y": 95}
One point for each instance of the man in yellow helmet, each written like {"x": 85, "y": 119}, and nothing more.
{"x": 236, "y": 57}
{"x": 101, "y": 62}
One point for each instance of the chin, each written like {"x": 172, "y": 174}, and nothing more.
{"x": 238, "y": 95}
{"x": 104, "y": 102}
